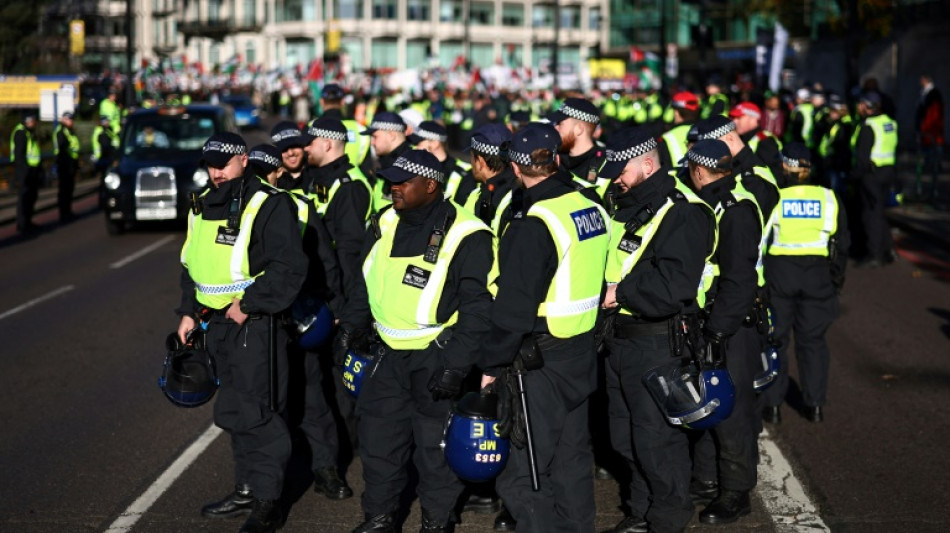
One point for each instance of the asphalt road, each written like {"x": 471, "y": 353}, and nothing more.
{"x": 86, "y": 431}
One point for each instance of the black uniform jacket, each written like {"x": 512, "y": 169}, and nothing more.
{"x": 275, "y": 248}
{"x": 465, "y": 288}
{"x": 738, "y": 251}
{"x": 765, "y": 193}
{"x": 527, "y": 260}
{"x": 666, "y": 279}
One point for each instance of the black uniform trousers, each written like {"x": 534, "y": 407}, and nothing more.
{"x": 260, "y": 440}
{"x": 395, "y": 411}
{"x": 28, "y": 186}
{"x": 732, "y": 446}
{"x": 317, "y": 421}
{"x": 804, "y": 302}
{"x": 557, "y": 405}
{"x": 875, "y": 189}
{"x": 657, "y": 452}
{"x": 66, "y": 168}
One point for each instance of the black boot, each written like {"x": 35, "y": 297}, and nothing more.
{"x": 504, "y": 521}
{"x": 631, "y": 524}
{"x": 238, "y": 503}
{"x": 382, "y": 523}
{"x": 482, "y": 504}
{"x": 431, "y": 524}
{"x": 727, "y": 507}
{"x": 328, "y": 482}
{"x": 266, "y": 517}
{"x": 703, "y": 492}
{"x": 813, "y": 413}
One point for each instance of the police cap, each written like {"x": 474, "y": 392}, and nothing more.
{"x": 221, "y": 147}
{"x": 414, "y": 163}
{"x": 625, "y": 145}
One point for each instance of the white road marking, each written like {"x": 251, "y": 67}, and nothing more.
{"x": 140, "y": 506}
{"x": 128, "y": 259}
{"x": 792, "y": 511}
{"x": 35, "y": 301}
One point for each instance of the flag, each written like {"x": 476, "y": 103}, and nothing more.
{"x": 315, "y": 73}
{"x": 778, "y": 57}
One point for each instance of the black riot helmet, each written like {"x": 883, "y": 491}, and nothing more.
{"x": 189, "y": 377}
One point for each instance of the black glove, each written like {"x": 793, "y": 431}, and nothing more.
{"x": 715, "y": 346}
{"x": 511, "y": 424}
{"x": 342, "y": 343}
{"x": 446, "y": 383}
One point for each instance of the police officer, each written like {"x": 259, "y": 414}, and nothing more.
{"x": 580, "y": 156}
{"x": 26, "y": 159}
{"x": 715, "y": 102}
{"x": 109, "y": 109}
{"x": 727, "y": 330}
{"x": 875, "y": 155}
{"x": 672, "y": 145}
{"x": 432, "y": 137}
{"x": 661, "y": 237}
{"x": 388, "y": 134}
{"x": 551, "y": 261}
{"x": 806, "y": 261}
{"x": 66, "y": 150}
{"x": 307, "y": 407}
{"x": 287, "y": 138}
{"x": 424, "y": 287}
{"x": 755, "y": 176}
{"x": 240, "y": 220}
{"x": 105, "y": 146}
{"x": 494, "y": 174}
{"x": 834, "y": 149}
{"x": 357, "y": 146}
{"x": 762, "y": 143}
{"x": 801, "y": 123}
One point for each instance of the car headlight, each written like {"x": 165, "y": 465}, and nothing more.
{"x": 112, "y": 181}
{"x": 200, "y": 178}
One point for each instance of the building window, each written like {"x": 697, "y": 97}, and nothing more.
{"x": 249, "y": 15}
{"x": 594, "y": 18}
{"x": 449, "y": 51}
{"x": 300, "y": 52}
{"x": 214, "y": 55}
{"x": 483, "y": 55}
{"x": 512, "y": 15}
{"x": 384, "y": 53}
{"x": 571, "y": 17}
{"x": 214, "y": 10}
{"x": 542, "y": 16}
{"x": 291, "y": 10}
{"x": 250, "y": 53}
{"x": 417, "y": 53}
{"x": 451, "y": 11}
{"x": 513, "y": 55}
{"x": 483, "y": 13}
{"x": 418, "y": 10}
{"x": 348, "y": 9}
{"x": 384, "y": 9}
{"x": 353, "y": 46}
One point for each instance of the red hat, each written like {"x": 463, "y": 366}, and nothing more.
{"x": 745, "y": 109}
{"x": 686, "y": 100}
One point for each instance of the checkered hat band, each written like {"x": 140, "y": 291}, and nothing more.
{"x": 284, "y": 135}
{"x": 224, "y": 148}
{"x": 790, "y": 162}
{"x": 388, "y": 126}
{"x": 432, "y": 136}
{"x": 579, "y": 115}
{"x": 720, "y": 131}
{"x": 485, "y": 148}
{"x": 265, "y": 158}
{"x": 634, "y": 151}
{"x": 418, "y": 170}
{"x": 520, "y": 157}
{"x": 702, "y": 160}
{"x": 327, "y": 134}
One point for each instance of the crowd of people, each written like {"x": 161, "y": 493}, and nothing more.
{"x": 613, "y": 251}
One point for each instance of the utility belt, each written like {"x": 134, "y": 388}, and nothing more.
{"x": 205, "y": 314}
{"x": 758, "y": 317}
{"x": 682, "y": 330}
{"x": 531, "y": 354}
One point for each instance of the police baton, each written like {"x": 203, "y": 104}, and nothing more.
{"x": 272, "y": 361}
{"x": 518, "y": 371}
